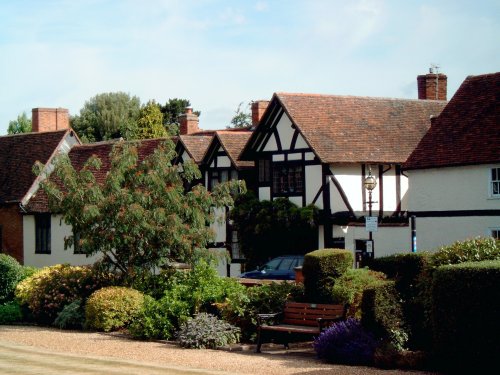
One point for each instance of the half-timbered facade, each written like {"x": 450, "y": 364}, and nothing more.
{"x": 222, "y": 164}
{"x": 318, "y": 149}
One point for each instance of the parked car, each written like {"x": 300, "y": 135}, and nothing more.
{"x": 280, "y": 268}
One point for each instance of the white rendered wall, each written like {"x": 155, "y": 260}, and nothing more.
{"x": 265, "y": 193}
{"x": 58, "y": 255}
{"x": 314, "y": 181}
{"x": 455, "y": 188}
{"x": 451, "y": 189}
{"x": 387, "y": 240}
{"x": 434, "y": 232}
{"x": 219, "y": 225}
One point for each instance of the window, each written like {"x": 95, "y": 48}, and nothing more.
{"x": 495, "y": 182}
{"x": 495, "y": 233}
{"x": 288, "y": 179}
{"x": 222, "y": 175}
{"x": 42, "y": 233}
{"x": 264, "y": 170}
{"x": 77, "y": 249}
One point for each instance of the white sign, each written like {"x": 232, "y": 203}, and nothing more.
{"x": 369, "y": 246}
{"x": 371, "y": 223}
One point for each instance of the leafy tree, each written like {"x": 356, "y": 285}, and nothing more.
{"x": 171, "y": 111}
{"x": 21, "y": 125}
{"x": 267, "y": 229}
{"x": 107, "y": 116}
{"x": 241, "y": 119}
{"x": 150, "y": 122}
{"x": 139, "y": 217}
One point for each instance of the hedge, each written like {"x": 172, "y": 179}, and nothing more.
{"x": 320, "y": 269}
{"x": 465, "y": 314}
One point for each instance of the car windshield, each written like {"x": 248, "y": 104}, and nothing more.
{"x": 272, "y": 264}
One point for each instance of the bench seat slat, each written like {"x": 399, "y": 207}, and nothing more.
{"x": 291, "y": 328}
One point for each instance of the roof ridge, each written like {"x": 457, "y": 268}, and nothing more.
{"x": 35, "y": 133}
{"x": 358, "y": 97}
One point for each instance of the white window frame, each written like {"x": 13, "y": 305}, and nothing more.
{"x": 494, "y": 182}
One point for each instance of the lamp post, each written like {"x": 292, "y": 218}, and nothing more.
{"x": 370, "y": 183}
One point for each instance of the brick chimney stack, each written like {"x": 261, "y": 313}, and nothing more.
{"x": 432, "y": 86}
{"x": 258, "y": 109}
{"x": 188, "y": 122}
{"x": 49, "y": 119}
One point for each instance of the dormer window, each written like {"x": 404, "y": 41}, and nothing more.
{"x": 495, "y": 183}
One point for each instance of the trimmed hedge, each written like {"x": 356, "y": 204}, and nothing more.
{"x": 11, "y": 273}
{"x": 407, "y": 270}
{"x": 320, "y": 269}
{"x": 382, "y": 313}
{"x": 113, "y": 308}
{"x": 10, "y": 313}
{"x": 465, "y": 314}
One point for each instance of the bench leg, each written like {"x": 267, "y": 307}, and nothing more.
{"x": 259, "y": 341}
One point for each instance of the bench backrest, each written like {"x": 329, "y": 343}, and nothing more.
{"x": 306, "y": 314}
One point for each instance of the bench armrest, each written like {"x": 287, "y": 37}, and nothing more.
{"x": 266, "y": 318}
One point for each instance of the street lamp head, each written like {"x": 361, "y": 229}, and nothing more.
{"x": 370, "y": 182}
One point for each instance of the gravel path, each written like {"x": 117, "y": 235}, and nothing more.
{"x": 102, "y": 346}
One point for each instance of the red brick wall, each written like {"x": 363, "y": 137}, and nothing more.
{"x": 11, "y": 221}
{"x": 258, "y": 109}
{"x": 427, "y": 86}
{"x": 47, "y": 119}
{"x": 188, "y": 122}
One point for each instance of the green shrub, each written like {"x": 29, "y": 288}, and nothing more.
{"x": 71, "y": 316}
{"x": 205, "y": 331}
{"x": 200, "y": 288}
{"x": 465, "y": 315}
{"x": 348, "y": 288}
{"x": 320, "y": 269}
{"x": 382, "y": 314}
{"x": 113, "y": 308}
{"x": 158, "y": 319}
{"x": 407, "y": 270}
{"x": 241, "y": 309}
{"x": 10, "y": 274}
{"x": 48, "y": 290}
{"x": 10, "y": 312}
{"x": 472, "y": 250}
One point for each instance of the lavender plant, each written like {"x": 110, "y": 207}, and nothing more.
{"x": 346, "y": 342}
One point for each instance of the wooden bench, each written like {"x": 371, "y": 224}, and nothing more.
{"x": 298, "y": 318}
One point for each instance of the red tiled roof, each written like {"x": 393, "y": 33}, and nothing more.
{"x": 81, "y": 153}
{"x": 467, "y": 131}
{"x": 354, "y": 129}
{"x": 234, "y": 142}
{"x": 18, "y": 153}
{"x": 196, "y": 145}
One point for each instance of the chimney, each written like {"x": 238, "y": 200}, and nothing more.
{"x": 432, "y": 86}
{"x": 49, "y": 119}
{"x": 188, "y": 122}
{"x": 258, "y": 109}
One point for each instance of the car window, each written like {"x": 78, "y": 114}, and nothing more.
{"x": 272, "y": 264}
{"x": 286, "y": 264}
{"x": 300, "y": 262}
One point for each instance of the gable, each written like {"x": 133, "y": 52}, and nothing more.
{"x": 19, "y": 152}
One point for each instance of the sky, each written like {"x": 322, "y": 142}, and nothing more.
{"x": 220, "y": 53}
